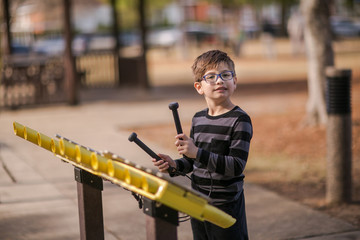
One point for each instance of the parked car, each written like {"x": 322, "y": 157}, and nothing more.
{"x": 344, "y": 27}
{"x": 200, "y": 32}
{"x": 18, "y": 48}
{"x": 130, "y": 38}
{"x": 164, "y": 38}
{"x": 49, "y": 46}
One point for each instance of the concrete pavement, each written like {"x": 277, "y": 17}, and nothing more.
{"x": 38, "y": 192}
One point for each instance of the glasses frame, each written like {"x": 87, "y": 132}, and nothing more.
{"x": 218, "y": 76}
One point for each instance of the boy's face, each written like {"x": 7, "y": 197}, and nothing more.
{"x": 219, "y": 90}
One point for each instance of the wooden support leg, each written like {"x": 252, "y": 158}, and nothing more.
{"x": 89, "y": 189}
{"x": 161, "y": 221}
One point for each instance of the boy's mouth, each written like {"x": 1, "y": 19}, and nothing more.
{"x": 221, "y": 89}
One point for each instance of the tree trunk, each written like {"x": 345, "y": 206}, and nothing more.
{"x": 71, "y": 82}
{"x": 318, "y": 40}
{"x": 284, "y": 9}
{"x": 6, "y": 41}
{"x": 143, "y": 29}
{"x": 115, "y": 32}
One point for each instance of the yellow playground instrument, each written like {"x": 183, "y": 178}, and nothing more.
{"x": 128, "y": 175}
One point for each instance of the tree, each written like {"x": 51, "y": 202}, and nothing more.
{"x": 318, "y": 41}
{"x": 71, "y": 78}
{"x": 5, "y": 4}
{"x": 129, "y": 11}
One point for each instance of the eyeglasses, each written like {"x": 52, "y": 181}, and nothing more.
{"x": 211, "y": 78}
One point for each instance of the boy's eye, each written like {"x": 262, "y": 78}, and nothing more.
{"x": 226, "y": 75}
{"x": 210, "y": 77}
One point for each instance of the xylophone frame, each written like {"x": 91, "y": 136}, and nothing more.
{"x": 161, "y": 221}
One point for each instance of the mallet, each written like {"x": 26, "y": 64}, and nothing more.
{"x": 173, "y": 107}
{"x": 133, "y": 138}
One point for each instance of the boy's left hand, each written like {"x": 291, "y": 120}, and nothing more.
{"x": 186, "y": 146}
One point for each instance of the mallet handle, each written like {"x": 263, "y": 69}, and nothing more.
{"x": 173, "y": 107}
{"x": 133, "y": 138}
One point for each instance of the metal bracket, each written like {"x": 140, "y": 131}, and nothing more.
{"x": 158, "y": 210}
{"x": 87, "y": 178}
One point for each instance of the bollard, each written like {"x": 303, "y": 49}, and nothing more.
{"x": 338, "y": 136}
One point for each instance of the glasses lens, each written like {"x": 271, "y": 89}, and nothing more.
{"x": 210, "y": 78}
{"x": 226, "y": 75}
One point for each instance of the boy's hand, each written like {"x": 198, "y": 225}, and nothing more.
{"x": 164, "y": 163}
{"x": 186, "y": 146}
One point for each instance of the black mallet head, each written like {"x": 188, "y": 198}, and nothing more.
{"x": 132, "y": 137}
{"x": 173, "y": 106}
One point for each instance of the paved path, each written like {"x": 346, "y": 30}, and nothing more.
{"x": 38, "y": 193}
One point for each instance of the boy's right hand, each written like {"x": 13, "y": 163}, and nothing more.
{"x": 164, "y": 163}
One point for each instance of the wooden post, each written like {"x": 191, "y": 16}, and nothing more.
{"x": 161, "y": 221}
{"x": 89, "y": 189}
{"x": 339, "y": 154}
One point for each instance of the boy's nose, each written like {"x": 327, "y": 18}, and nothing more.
{"x": 217, "y": 78}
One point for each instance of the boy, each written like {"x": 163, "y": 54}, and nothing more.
{"x": 217, "y": 149}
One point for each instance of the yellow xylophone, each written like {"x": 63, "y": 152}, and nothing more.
{"x": 130, "y": 176}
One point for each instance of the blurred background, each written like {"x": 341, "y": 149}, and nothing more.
{"x": 111, "y": 38}
{"x": 143, "y": 50}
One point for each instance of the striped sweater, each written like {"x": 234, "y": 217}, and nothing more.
{"x": 223, "y": 142}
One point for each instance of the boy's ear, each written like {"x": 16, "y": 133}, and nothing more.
{"x": 235, "y": 81}
{"x": 198, "y": 87}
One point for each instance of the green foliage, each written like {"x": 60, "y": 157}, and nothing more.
{"x": 255, "y": 3}
{"x": 104, "y": 28}
{"x": 128, "y": 11}
{"x": 232, "y": 3}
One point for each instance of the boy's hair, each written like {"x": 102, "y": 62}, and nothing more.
{"x": 210, "y": 60}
